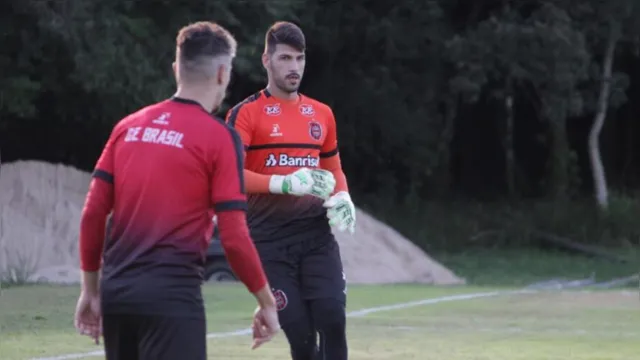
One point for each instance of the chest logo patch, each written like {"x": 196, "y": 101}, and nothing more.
{"x": 315, "y": 130}
{"x": 272, "y": 109}
{"x": 307, "y": 110}
{"x": 275, "y": 130}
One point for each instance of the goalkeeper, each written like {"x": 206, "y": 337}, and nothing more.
{"x": 296, "y": 190}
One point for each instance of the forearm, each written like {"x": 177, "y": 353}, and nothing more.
{"x": 341, "y": 181}
{"x": 90, "y": 282}
{"x": 263, "y": 184}
{"x": 334, "y": 165}
{"x": 92, "y": 232}
{"x": 256, "y": 183}
{"x": 93, "y": 225}
{"x": 240, "y": 251}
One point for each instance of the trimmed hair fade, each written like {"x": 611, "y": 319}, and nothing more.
{"x": 286, "y": 33}
{"x": 205, "y": 38}
{"x": 199, "y": 45}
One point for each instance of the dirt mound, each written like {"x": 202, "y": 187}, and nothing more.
{"x": 377, "y": 254}
{"x": 40, "y": 206}
{"x": 41, "y": 203}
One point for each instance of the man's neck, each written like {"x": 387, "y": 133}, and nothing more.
{"x": 276, "y": 92}
{"x": 197, "y": 95}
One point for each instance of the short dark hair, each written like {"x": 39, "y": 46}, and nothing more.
{"x": 198, "y": 43}
{"x": 283, "y": 32}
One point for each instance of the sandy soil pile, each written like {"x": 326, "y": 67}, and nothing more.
{"x": 40, "y": 206}
{"x": 377, "y": 254}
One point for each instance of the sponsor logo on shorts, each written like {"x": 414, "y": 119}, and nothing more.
{"x": 285, "y": 160}
{"x": 281, "y": 299}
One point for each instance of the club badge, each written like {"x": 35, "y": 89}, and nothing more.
{"x": 315, "y": 130}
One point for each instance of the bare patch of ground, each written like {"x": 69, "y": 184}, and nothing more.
{"x": 40, "y": 212}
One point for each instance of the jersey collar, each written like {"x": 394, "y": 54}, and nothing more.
{"x": 191, "y": 102}
{"x": 185, "y": 101}
{"x": 268, "y": 94}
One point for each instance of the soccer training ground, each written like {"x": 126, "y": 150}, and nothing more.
{"x": 385, "y": 322}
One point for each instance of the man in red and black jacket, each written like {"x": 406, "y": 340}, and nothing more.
{"x": 165, "y": 171}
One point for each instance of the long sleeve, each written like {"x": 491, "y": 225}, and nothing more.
{"x": 330, "y": 156}
{"x": 240, "y": 251}
{"x": 98, "y": 205}
{"x": 229, "y": 203}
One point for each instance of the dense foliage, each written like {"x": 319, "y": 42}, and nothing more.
{"x": 437, "y": 100}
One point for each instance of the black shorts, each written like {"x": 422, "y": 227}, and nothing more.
{"x": 152, "y": 337}
{"x": 304, "y": 271}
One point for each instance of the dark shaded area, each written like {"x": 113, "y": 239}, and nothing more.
{"x": 418, "y": 87}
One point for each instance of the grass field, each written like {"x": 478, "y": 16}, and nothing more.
{"x": 36, "y": 321}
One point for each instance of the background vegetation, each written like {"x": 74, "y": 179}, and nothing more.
{"x": 465, "y": 124}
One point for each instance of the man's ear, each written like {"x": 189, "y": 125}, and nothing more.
{"x": 265, "y": 60}
{"x": 222, "y": 74}
{"x": 175, "y": 69}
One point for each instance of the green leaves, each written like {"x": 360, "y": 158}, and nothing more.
{"x": 545, "y": 50}
{"x": 17, "y": 94}
{"x": 402, "y": 77}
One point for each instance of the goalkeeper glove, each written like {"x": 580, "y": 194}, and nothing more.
{"x": 317, "y": 182}
{"x": 341, "y": 211}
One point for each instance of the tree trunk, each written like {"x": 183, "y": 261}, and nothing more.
{"x": 510, "y": 157}
{"x": 443, "y": 179}
{"x": 560, "y": 159}
{"x": 554, "y": 110}
{"x": 597, "y": 168}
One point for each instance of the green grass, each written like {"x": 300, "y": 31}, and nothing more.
{"x": 523, "y": 267}
{"x": 36, "y": 321}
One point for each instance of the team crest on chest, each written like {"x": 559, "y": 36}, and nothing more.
{"x": 272, "y": 109}
{"x": 315, "y": 130}
{"x": 307, "y": 110}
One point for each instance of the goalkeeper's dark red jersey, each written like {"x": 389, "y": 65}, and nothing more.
{"x": 165, "y": 171}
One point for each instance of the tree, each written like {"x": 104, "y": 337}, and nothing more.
{"x": 606, "y": 24}
{"x": 505, "y": 53}
{"x": 384, "y": 86}
{"x": 561, "y": 58}
{"x": 492, "y": 55}
{"x": 597, "y": 168}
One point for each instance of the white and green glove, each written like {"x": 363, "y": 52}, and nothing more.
{"x": 341, "y": 212}
{"x": 317, "y": 182}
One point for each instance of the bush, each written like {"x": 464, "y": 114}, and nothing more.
{"x": 459, "y": 225}
{"x": 17, "y": 270}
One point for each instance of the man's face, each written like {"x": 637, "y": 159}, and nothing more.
{"x": 285, "y": 67}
